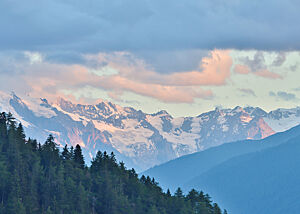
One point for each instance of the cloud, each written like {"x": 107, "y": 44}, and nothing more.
{"x": 257, "y": 63}
{"x": 160, "y": 92}
{"x": 170, "y": 61}
{"x": 40, "y": 78}
{"x": 211, "y": 70}
{"x": 272, "y": 94}
{"x": 257, "y": 66}
{"x": 283, "y": 95}
{"x": 268, "y": 74}
{"x": 280, "y": 59}
{"x": 294, "y": 67}
{"x": 241, "y": 69}
{"x": 115, "y": 73}
{"x": 136, "y": 76}
{"x": 34, "y": 57}
{"x": 247, "y": 91}
{"x": 130, "y": 25}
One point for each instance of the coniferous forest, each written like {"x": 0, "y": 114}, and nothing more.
{"x": 42, "y": 179}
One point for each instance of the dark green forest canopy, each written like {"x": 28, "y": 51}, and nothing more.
{"x": 37, "y": 179}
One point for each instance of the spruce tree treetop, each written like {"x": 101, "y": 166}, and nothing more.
{"x": 66, "y": 154}
{"x": 178, "y": 193}
{"x": 78, "y": 156}
{"x": 37, "y": 178}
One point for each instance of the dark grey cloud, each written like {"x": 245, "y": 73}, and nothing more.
{"x": 294, "y": 67}
{"x": 280, "y": 59}
{"x": 256, "y": 64}
{"x": 65, "y": 57}
{"x": 138, "y": 25}
{"x": 283, "y": 95}
{"x": 247, "y": 92}
{"x": 173, "y": 61}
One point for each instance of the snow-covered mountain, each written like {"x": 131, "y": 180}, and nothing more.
{"x": 142, "y": 140}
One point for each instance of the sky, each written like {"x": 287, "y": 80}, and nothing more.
{"x": 186, "y": 57}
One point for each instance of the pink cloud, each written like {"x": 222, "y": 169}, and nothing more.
{"x": 243, "y": 69}
{"x": 132, "y": 74}
{"x": 268, "y": 74}
{"x": 50, "y": 80}
{"x": 160, "y": 92}
{"x": 135, "y": 76}
{"x": 65, "y": 77}
{"x": 213, "y": 70}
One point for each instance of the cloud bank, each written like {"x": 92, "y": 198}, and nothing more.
{"x": 115, "y": 73}
{"x": 170, "y": 51}
{"x": 283, "y": 95}
{"x": 258, "y": 66}
{"x": 65, "y": 28}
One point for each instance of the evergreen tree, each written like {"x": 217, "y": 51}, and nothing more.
{"x": 37, "y": 179}
{"x": 216, "y": 209}
{"x": 178, "y": 193}
{"x": 153, "y": 210}
{"x": 78, "y": 157}
{"x": 168, "y": 193}
{"x": 3, "y": 132}
{"x": 66, "y": 154}
{"x": 21, "y": 134}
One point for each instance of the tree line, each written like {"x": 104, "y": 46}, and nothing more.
{"x": 43, "y": 179}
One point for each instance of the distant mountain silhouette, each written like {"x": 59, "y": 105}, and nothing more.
{"x": 142, "y": 140}
{"x": 252, "y": 176}
{"x": 181, "y": 170}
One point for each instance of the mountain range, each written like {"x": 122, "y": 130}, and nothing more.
{"x": 183, "y": 170}
{"x": 262, "y": 182}
{"x": 250, "y": 176}
{"x": 140, "y": 139}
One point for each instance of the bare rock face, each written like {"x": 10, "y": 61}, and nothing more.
{"x": 139, "y": 139}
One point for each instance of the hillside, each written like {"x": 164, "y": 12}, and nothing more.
{"x": 37, "y": 179}
{"x": 262, "y": 182}
{"x": 181, "y": 170}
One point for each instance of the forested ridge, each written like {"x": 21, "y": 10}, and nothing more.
{"x": 40, "y": 179}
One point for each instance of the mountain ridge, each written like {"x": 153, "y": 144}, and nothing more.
{"x": 143, "y": 139}
{"x": 184, "y": 169}
{"x": 263, "y": 181}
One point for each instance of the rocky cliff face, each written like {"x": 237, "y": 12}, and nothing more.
{"x": 139, "y": 139}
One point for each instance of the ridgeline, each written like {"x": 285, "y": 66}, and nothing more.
{"x": 40, "y": 179}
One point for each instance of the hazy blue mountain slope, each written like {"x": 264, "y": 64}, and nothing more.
{"x": 141, "y": 139}
{"x": 181, "y": 170}
{"x": 262, "y": 182}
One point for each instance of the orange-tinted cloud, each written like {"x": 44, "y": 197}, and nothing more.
{"x": 160, "y": 92}
{"x": 130, "y": 74}
{"x": 50, "y": 80}
{"x": 268, "y": 74}
{"x": 258, "y": 65}
{"x": 243, "y": 69}
{"x": 213, "y": 70}
{"x": 135, "y": 76}
{"x": 51, "y": 84}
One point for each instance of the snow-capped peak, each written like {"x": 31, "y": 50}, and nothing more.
{"x": 147, "y": 139}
